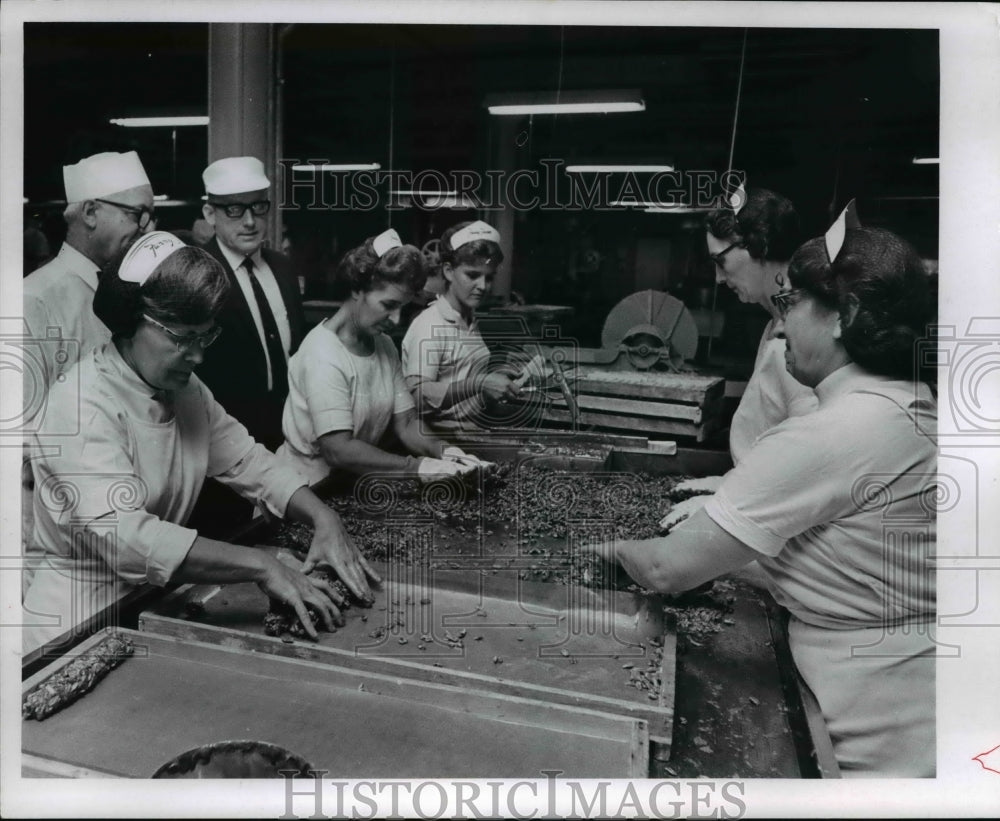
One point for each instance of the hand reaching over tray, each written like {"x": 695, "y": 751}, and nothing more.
{"x": 284, "y": 618}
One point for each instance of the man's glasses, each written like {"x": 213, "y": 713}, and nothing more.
{"x": 186, "y": 343}
{"x": 720, "y": 258}
{"x": 784, "y": 300}
{"x": 236, "y": 210}
{"x": 142, "y": 214}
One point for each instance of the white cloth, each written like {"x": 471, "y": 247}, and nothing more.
{"x": 331, "y": 389}
{"x": 839, "y": 504}
{"x": 111, "y": 504}
{"x": 772, "y": 395}
{"x": 439, "y": 349}
{"x": 272, "y": 292}
{"x": 59, "y": 303}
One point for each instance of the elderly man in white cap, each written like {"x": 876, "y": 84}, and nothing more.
{"x": 109, "y": 201}
{"x": 262, "y": 321}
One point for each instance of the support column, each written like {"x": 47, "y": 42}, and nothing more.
{"x": 242, "y": 101}
{"x": 504, "y": 157}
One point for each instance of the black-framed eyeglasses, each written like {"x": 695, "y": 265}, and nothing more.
{"x": 236, "y": 210}
{"x": 141, "y": 213}
{"x": 720, "y": 258}
{"x": 186, "y": 343}
{"x": 784, "y": 300}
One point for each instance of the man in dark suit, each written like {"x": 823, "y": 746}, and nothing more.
{"x": 262, "y": 321}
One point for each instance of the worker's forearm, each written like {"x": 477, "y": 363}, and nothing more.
{"x": 417, "y": 442}
{"x": 210, "y": 560}
{"x": 360, "y": 457}
{"x": 306, "y": 507}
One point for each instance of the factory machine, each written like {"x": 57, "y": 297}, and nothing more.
{"x": 487, "y": 653}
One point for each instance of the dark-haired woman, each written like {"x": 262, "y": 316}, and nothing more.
{"x": 837, "y": 506}
{"x": 111, "y": 501}
{"x": 445, "y": 360}
{"x": 345, "y": 383}
{"x": 750, "y": 248}
{"x": 750, "y": 245}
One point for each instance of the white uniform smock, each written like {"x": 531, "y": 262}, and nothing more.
{"x": 111, "y": 502}
{"x": 331, "y": 389}
{"x": 772, "y": 395}
{"x": 839, "y": 505}
{"x": 59, "y": 300}
{"x": 440, "y": 349}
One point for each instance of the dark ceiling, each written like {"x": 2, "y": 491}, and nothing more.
{"x": 824, "y": 114}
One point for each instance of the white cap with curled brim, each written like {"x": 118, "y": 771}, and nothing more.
{"x": 102, "y": 175}
{"x": 472, "y": 232}
{"x": 146, "y": 254}
{"x": 235, "y": 175}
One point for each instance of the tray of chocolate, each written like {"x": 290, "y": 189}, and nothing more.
{"x": 477, "y": 629}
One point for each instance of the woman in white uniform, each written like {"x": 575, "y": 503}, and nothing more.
{"x": 837, "y": 506}
{"x": 445, "y": 360}
{"x": 345, "y": 384}
{"x": 750, "y": 245}
{"x": 122, "y": 460}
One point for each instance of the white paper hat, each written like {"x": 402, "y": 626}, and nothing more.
{"x": 838, "y": 231}
{"x": 102, "y": 175}
{"x": 235, "y": 175}
{"x": 146, "y": 254}
{"x": 477, "y": 230}
{"x": 386, "y": 240}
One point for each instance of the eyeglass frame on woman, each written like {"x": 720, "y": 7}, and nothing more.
{"x": 185, "y": 344}
{"x": 259, "y": 208}
{"x": 782, "y": 301}
{"x": 143, "y": 215}
{"x": 720, "y": 258}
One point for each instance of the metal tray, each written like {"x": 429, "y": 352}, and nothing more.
{"x": 175, "y": 695}
{"x": 482, "y": 630}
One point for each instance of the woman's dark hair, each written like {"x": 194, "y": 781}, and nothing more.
{"x": 883, "y": 277}
{"x": 767, "y": 225}
{"x": 187, "y": 288}
{"x": 470, "y": 252}
{"x": 362, "y": 269}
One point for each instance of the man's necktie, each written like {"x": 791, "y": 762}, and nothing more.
{"x": 279, "y": 369}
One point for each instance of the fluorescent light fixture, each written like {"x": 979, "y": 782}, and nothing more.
{"x": 347, "y": 166}
{"x": 435, "y": 199}
{"x": 155, "y": 122}
{"x": 422, "y": 193}
{"x": 566, "y": 102}
{"x": 926, "y": 160}
{"x": 618, "y": 169}
{"x": 159, "y": 197}
{"x": 646, "y": 204}
{"x": 678, "y": 209}
{"x": 168, "y": 203}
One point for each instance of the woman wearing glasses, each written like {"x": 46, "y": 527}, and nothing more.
{"x": 140, "y": 434}
{"x": 750, "y": 244}
{"x": 837, "y": 506}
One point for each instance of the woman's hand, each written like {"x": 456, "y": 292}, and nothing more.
{"x": 333, "y": 545}
{"x": 294, "y": 588}
{"x": 498, "y": 387}
{"x": 428, "y": 470}
{"x": 453, "y": 453}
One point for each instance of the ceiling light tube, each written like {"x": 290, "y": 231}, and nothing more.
{"x": 926, "y": 161}
{"x": 646, "y": 204}
{"x": 347, "y": 166}
{"x": 154, "y": 122}
{"x": 614, "y": 169}
{"x": 566, "y": 102}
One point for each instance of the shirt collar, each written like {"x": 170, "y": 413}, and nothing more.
{"x": 235, "y": 259}
{"x": 846, "y": 379}
{"x": 449, "y": 314}
{"x": 83, "y": 266}
{"x": 116, "y": 363}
